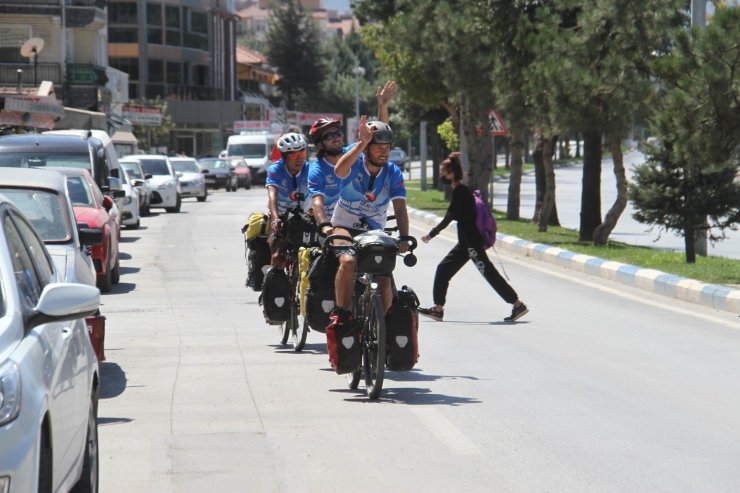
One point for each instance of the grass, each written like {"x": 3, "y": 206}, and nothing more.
{"x": 714, "y": 270}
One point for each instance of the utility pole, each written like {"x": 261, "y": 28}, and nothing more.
{"x": 699, "y": 20}
{"x": 423, "y": 155}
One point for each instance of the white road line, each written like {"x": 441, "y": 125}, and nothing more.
{"x": 446, "y": 431}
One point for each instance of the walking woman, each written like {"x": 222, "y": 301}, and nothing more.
{"x": 469, "y": 246}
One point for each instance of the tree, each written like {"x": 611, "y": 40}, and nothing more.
{"x": 689, "y": 183}
{"x": 294, "y": 47}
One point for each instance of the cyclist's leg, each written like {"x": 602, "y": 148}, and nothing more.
{"x": 386, "y": 291}
{"x": 345, "y": 279}
{"x": 278, "y": 245}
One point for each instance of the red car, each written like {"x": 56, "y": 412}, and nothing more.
{"x": 91, "y": 208}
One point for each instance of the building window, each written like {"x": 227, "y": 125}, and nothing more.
{"x": 154, "y": 35}
{"x": 127, "y": 65}
{"x": 172, "y": 16}
{"x": 156, "y": 71}
{"x": 154, "y": 14}
{"x": 199, "y": 22}
{"x": 12, "y": 38}
{"x": 200, "y": 75}
{"x": 122, "y": 35}
{"x": 174, "y": 73}
{"x": 173, "y": 37}
{"x": 121, "y": 13}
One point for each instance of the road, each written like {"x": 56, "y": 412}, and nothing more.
{"x": 599, "y": 388}
{"x": 568, "y": 196}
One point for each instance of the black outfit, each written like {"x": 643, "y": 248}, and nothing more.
{"x": 469, "y": 247}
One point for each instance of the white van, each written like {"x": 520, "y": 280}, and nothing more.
{"x": 256, "y": 149}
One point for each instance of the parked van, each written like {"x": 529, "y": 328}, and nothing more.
{"x": 110, "y": 155}
{"x": 256, "y": 149}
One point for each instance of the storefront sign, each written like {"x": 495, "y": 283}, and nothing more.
{"x": 143, "y": 115}
{"x": 39, "y": 105}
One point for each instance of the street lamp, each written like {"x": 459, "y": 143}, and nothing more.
{"x": 357, "y": 72}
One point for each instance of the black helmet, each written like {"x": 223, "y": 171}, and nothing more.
{"x": 382, "y": 134}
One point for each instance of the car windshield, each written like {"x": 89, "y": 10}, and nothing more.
{"x": 186, "y": 166}
{"x": 45, "y": 210}
{"x": 207, "y": 163}
{"x": 133, "y": 171}
{"x": 155, "y": 167}
{"x": 79, "y": 192}
{"x": 44, "y": 159}
{"x": 248, "y": 150}
{"x": 221, "y": 164}
{"x": 396, "y": 155}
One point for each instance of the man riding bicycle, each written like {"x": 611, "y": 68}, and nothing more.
{"x": 369, "y": 184}
{"x": 287, "y": 187}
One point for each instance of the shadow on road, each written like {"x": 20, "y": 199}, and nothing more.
{"x": 307, "y": 349}
{"x": 128, "y": 270}
{"x": 122, "y": 287}
{"x": 128, "y": 239}
{"x": 124, "y": 256}
{"x": 113, "y": 421}
{"x": 113, "y": 380}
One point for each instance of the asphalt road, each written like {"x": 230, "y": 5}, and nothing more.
{"x": 599, "y": 388}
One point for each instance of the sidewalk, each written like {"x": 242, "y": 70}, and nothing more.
{"x": 711, "y": 295}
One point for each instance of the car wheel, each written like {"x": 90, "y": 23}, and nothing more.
{"x": 88, "y": 482}
{"x": 46, "y": 460}
{"x": 135, "y": 225}
{"x": 105, "y": 283}
{"x": 204, "y": 197}
{"x": 178, "y": 203}
{"x": 248, "y": 185}
{"x": 116, "y": 272}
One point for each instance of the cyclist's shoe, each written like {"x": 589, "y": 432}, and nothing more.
{"x": 430, "y": 312}
{"x": 517, "y": 312}
{"x": 340, "y": 315}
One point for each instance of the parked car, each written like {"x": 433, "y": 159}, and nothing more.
{"x": 139, "y": 180}
{"x": 398, "y": 156}
{"x": 129, "y": 203}
{"x": 49, "y": 377}
{"x": 220, "y": 173}
{"x": 243, "y": 173}
{"x": 65, "y": 151}
{"x": 257, "y": 149}
{"x": 42, "y": 197}
{"x": 191, "y": 177}
{"x": 92, "y": 210}
{"x": 163, "y": 181}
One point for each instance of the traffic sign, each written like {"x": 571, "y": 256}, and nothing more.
{"x": 496, "y": 124}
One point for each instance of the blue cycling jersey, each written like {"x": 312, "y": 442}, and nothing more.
{"x": 323, "y": 181}
{"x": 288, "y": 185}
{"x": 361, "y": 206}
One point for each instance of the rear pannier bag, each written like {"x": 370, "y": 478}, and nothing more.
{"x": 301, "y": 231}
{"x": 402, "y": 331}
{"x": 343, "y": 345}
{"x": 319, "y": 304}
{"x": 258, "y": 224}
{"x": 257, "y": 258}
{"x": 275, "y": 297}
{"x": 376, "y": 252}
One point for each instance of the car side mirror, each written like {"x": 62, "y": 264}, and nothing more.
{"x": 179, "y": 174}
{"x": 107, "y": 203}
{"x": 119, "y": 194}
{"x": 91, "y": 236}
{"x": 114, "y": 183}
{"x": 204, "y": 171}
{"x": 137, "y": 182}
{"x": 146, "y": 177}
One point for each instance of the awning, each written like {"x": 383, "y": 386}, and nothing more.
{"x": 123, "y": 137}
{"x": 75, "y": 118}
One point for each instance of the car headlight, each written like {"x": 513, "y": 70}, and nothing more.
{"x": 166, "y": 185}
{"x": 10, "y": 392}
{"x": 127, "y": 199}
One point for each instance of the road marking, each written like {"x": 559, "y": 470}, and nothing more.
{"x": 446, "y": 431}
{"x": 576, "y": 277}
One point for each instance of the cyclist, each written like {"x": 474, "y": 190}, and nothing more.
{"x": 326, "y": 134}
{"x": 369, "y": 185}
{"x": 287, "y": 186}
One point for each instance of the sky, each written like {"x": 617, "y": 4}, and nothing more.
{"x": 341, "y": 5}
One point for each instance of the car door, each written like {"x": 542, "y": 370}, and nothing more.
{"x": 63, "y": 366}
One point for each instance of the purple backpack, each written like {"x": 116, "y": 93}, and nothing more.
{"x": 484, "y": 221}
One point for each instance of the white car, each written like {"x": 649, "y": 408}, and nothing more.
{"x": 41, "y": 195}
{"x": 192, "y": 179}
{"x": 49, "y": 378}
{"x": 129, "y": 203}
{"x": 164, "y": 183}
{"x": 139, "y": 181}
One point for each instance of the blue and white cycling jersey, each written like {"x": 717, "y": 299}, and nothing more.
{"x": 287, "y": 185}
{"x": 361, "y": 206}
{"x": 323, "y": 181}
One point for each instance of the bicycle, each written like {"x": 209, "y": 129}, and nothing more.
{"x": 299, "y": 230}
{"x": 369, "y": 312}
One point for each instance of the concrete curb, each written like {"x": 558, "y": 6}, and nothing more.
{"x": 711, "y": 295}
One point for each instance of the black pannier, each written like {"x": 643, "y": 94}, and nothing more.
{"x": 320, "y": 297}
{"x": 402, "y": 331}
{"x": 275, "y": 297}
{"x": 257, "y": 258}
{"x": 301, "y": 231}
{"x": 376, "y": 252}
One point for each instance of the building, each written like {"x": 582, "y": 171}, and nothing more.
{"x": 183, "y": 53}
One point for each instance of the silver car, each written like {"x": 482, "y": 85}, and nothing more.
{"x": 191, "y": 177}
{"x": 140, "y": 181}
{"x": 49, "y": 378}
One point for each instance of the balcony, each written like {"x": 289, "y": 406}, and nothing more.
{"x": 183, "y": 92}
{"x": 101, "y": 4}
{"x": 45, "y": 71}
{"x": 85, "y": 13}
{"x": 86, "y": 74}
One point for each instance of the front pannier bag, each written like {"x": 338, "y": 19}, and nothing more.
{"x": 320, "y": 295}
{"x": 343, "y": 344}
{"x": 257, "y": 258}
{"x": 275, "y": 297}
{"x": 402, "y": 331}
{"x": 376, "y": 252}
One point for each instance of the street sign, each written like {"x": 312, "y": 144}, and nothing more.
{"x": 251, "y": 126}
{"x": 496, "y": 124}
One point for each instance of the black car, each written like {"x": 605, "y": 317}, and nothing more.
{"x": 220, "y": 173}
{"x": 60, "y": 151}
{"x": 400, "y": 158}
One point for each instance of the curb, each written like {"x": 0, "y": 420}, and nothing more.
{"x": 710, "y": 295}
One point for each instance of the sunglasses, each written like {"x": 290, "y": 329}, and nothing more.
{"x": 332, "y": 135}
{"x": 295, "y": 154}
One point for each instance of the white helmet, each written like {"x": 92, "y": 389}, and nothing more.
{"x": 291, "y": 142}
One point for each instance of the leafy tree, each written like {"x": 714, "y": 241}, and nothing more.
{"x": 294, "y": 47}
{"x": 689, "y": 183}
{"x": 149, "y": 136}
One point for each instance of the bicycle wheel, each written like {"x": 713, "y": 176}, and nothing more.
{"x": 373, "y": 351}
{"x": 284, "y": 332}
{"x": 353, "y": 379}
{"x": 299, "y": 331}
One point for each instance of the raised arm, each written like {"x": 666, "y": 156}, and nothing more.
{"x": 384, "y": 95}
{"x": 344, "y": 165}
